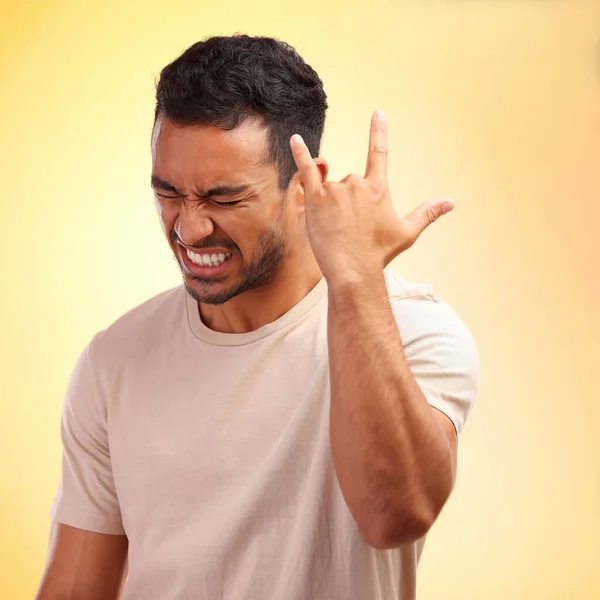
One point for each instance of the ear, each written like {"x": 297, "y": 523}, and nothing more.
{"x": 297, "y": 188}
{"x": 323, "y": 168}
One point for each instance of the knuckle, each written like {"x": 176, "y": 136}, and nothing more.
{"x": 380, "y": 148}
{"x": 431, "y": 215}
{"x": 379, "y": 186}
{"x": 353, "y": 179}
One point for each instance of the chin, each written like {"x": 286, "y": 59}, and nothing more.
{"x": 207, "y": 293}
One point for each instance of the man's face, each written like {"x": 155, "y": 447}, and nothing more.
{"x": 220, "y": 207}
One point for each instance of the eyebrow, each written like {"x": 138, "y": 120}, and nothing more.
{"x": 219, "y": 190}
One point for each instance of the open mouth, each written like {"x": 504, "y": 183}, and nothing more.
{"x": 205, "y": 263}
{"x": 208, "y": 260}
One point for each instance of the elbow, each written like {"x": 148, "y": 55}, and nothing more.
{"x": 392, "y": 526}
{"x": 386, "y": 535}
{"x": 401, "y": 527}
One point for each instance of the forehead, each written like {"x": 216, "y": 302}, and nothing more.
{"x": 207, "y": 154}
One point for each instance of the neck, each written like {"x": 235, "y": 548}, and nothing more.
{"x": 255, "y": 308}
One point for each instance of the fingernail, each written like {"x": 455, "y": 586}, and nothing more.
{"x": 297, "y": 139}
{"x": 380, "y": 115}
{"x": 448, "y": 206}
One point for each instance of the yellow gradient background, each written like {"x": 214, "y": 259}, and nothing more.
{"x": 495, "y": 103}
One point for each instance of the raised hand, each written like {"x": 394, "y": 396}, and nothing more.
{"x": 352, "y": 225}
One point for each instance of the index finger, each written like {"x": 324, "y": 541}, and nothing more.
{"x": 378, "y": 148}
{"x": 309, "y": 173}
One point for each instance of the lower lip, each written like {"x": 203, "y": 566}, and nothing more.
{"x": 202, "y": 270}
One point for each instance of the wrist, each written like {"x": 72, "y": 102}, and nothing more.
{"x": 350, "y": 283}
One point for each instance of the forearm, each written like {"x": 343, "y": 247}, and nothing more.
{"x": 83, "y": 565}
{"x": 391, "y": 456}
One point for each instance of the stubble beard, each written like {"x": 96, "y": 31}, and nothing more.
{"x": 271, "y": 251}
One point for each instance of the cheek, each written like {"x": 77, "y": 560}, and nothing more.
{"x": 166, "y": 216}
{"x": 160, "y": 210}
{"x": 236, "y": 231}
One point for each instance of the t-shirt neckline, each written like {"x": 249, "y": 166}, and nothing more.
{"x": 297, "y": 312}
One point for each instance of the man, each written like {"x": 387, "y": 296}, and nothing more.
{"x": 284, "y": 425}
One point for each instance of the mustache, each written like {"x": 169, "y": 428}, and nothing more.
{"x": 207, "y": 242}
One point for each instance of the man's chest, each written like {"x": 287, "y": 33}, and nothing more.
{"x": 187, "y": 437}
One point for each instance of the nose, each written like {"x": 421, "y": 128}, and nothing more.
{"x": 192, "y": 226}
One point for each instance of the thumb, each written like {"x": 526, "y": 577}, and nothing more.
{"x": 427, "y": 213}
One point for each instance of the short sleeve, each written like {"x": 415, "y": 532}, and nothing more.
{"x": 86, "y": 497}
{"x": 441, "y": 354}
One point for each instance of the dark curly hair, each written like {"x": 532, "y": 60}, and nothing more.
{"x": 222, "y": 81}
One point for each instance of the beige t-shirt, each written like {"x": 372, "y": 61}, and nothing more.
{"x": 211, "y": 451}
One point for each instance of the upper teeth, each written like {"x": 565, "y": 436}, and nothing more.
{"x": 211, "y": 260}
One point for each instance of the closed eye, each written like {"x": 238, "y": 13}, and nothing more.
{"x": 226, "y": 203}
{"x": 165, "y": 197}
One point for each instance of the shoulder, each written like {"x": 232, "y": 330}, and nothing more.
{"x": 419, "y": 311}
{"x": 142, "y": 327}
{"x": 439, "y": 347}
